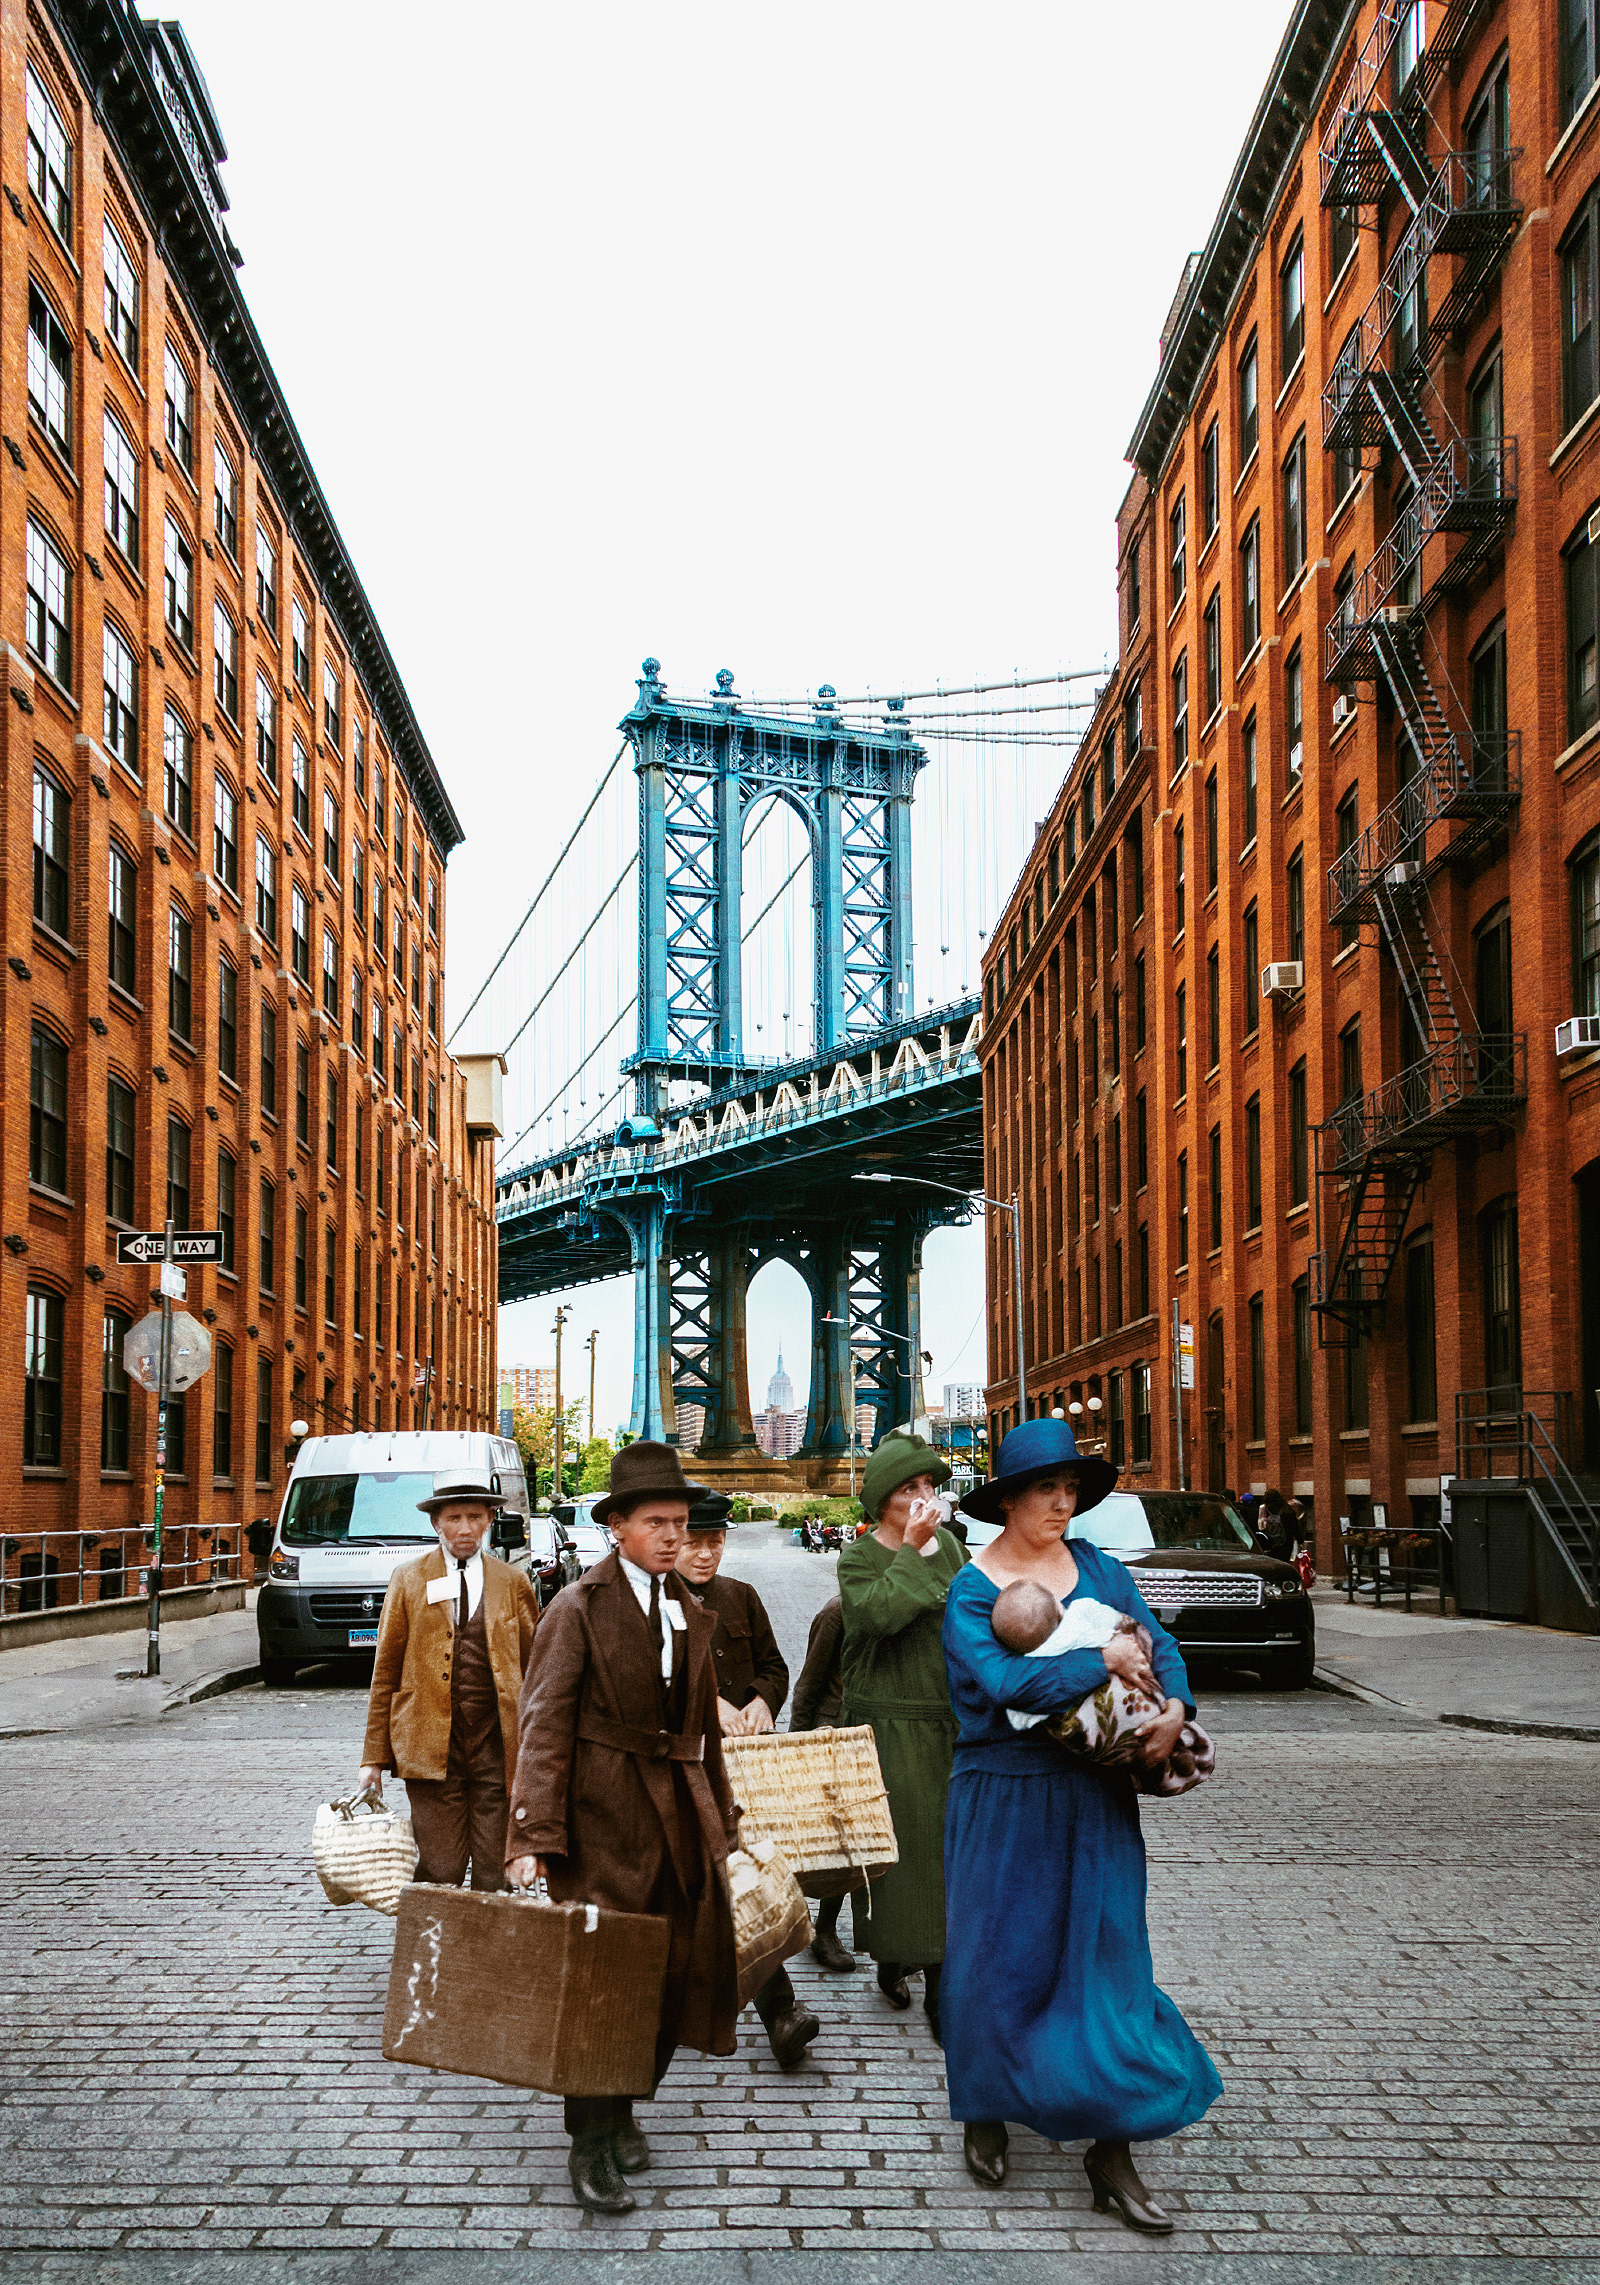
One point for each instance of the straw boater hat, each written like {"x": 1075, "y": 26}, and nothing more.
{"x": 452, "y": 1486}
{"x": 1033, "y": 1449}
{"x": 647, "y": 1468}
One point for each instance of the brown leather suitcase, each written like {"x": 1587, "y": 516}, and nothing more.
{"x": 562, "y": 1997}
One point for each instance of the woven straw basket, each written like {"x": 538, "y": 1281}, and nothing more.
{"x": 364, "y": 1853}
{"x": 819, "y": 1794}
{"x": 770, "y": 1920}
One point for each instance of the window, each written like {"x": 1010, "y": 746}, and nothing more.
{"x": 1251, "y": 979}
{"x": 416, "y": 870}
{"x": 358, "y": 757}
{"x": 1141, "y": 1414}
{"x": 114, "y": 1393}
{"x": 44, "y": 1338}
{"x": 1300, "y": 1298}
{"x": 332, "y": 705}
{"x": 1350, "y": 1086}
{"x": 177, "y": 773}
{"x": 1109, "y": 764}
{"x": 380, "y": 1293}
{"x": 1180, "y": 713}
{"x": 1108, "y": 786}
{"x": 1346, "y": 380}
{"x": 330, "y": 834}
{"x": 49, "y": 605}
{"x": 299, "y": 934}
{"x": 397, "y": 1041}
{"x": 225, "y": 500}
{"x": 1583, "y": 634}
{"x": 1210, "y": 482}
{"x": 1586, "y": 931}
{"x": 433, "y": 1004}
{"x": 333, "y": 1119}
{"x": 122, "y": 488}
{"x": 1252, "y": 1163}
{"x": 179, "y": 409}
{"x": 1141, "y": 1142}
{"x": 178, "y": 585}
{"x": 1248, "y": 775}
{"x": 330, "y": 1276}
{"x": 1178, "y": 883}
{"x": 1216, "y": 1188}
{"x": 178, "y": 945}
{"x": 266, "y": 889}
{"x": 1343, "y": 238}
{"x": 121, "y": 295}
{"x": 1250, "y": 589}
{"x": 266, "y": 581}
{"x": 1182, "y": 1031}
{"x": 377, "y": 1037}
{"x": 330, "y": 976}
{"x": 1144, "y": 1269}
{"x": 49, "y": 372}
{"x": 1299, "y": 1135}
{"x": 1213, "y": 636}
{"x": 359, "y": 1154}
{"x": 1116, "y": 1161}
{"x": 416, "y": 976}
{"x": 301, "y": 647}
{"x": 122, "y": 907}
{"x": 300, "y": 788}
{"x": 1115, "y": 1282}
{"x": 263, "y": 1420}
{"x": 1492, "y": 961}
{"x": 120, "y": 723}
{"x": 1577, "y": 49}
{"x": 49, "y": 158}
{"x": 399, "y": 837}
{"x": 400, "y": 952}
{"x": 1211, "y": 832}
{"x": 1213, "y": 1008}
{"x": 222, "y": 1411}
{"x": 358, "y": 1032}
{"x": 119, "y": 1151}
{"x": 357, "y": 1297}
{"x": 225, "y": 639}
{"x": 1085, "y": 815}
{"x": 380, "y": 945}
{"x": 416, "y": 1089}
{"x": 1177, "y": 551}
{"x": 1139, "y": 1019}
{"x": 1132, "y": 726}
{"x": 266, "y": 730}
{"x": 1117, "y": 1426}
{"x": 52, "y": 812}
{"x": 1294, "y": 511}
{"x": 227, "y": 1018}
{"x": 1579, "y": 286}
{"x": 269, "y": 1059}
{"x": 225, "y": 1204}
{"x": 47, "y": 1111}
{"x": 299, "y": 1256}
{"x": 1135, "y": 595}
{"x": 1258, "y": 1370}
{"x": 1422, "y": 1398}
{"x": 1344, "y": 836}
{"x": 1292, "y": 308}
{"x": 177, "y": 1174}
{"x": 1249, "y": 402}
{"x": 1296, "y": 903}
{"x": 1183, "y": 1209}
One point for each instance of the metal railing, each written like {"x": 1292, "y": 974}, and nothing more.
{"x": 61, "y": 1570}
{"x": 1398, "y": 834}
{"x": 1470, "y": 485}
{"x": 1525, "y": 1436}
{"x": 1389, "y": 20}
{"x": 1472, "y": 1081}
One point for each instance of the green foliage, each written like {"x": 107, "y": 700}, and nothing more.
{"x": 595, "y": 1474}
{"x": 814, "y": 1507}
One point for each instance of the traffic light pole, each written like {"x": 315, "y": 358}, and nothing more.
{"x": 153, "y": 1651}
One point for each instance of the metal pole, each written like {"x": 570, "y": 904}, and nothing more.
{"x": 555, "y": 1488}
{"x": 1177, "y": 1390}
{"x": 1022, "y": 1352}
{"x": 593, "y": 1339}
{"x": 153, "y": 1649}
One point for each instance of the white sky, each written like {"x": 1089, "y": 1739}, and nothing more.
{"x": 805, "y": 342}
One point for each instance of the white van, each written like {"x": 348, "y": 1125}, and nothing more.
{"x": 349, "y": 1517}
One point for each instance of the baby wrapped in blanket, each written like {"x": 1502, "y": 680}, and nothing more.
{"x": 1028, "y": 1621}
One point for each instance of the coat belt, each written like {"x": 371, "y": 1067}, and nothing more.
{"x": 649, "y": 1745}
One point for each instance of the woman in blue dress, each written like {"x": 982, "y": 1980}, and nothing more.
{"x": 1050, "y": 2010}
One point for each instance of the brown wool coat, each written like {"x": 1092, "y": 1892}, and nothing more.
{"x": 745, "y": 1650}
{"x": 629, "y": 1833}
{"x": 408, "y": 1711}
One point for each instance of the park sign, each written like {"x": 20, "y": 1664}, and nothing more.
{"x": 187, "y": 1245}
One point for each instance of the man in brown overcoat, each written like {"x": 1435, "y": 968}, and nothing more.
{"x": 621, "y": 1798}
{"x": 453, "y": 1642}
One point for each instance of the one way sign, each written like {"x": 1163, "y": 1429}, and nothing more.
{"x": 151, "y": 1245}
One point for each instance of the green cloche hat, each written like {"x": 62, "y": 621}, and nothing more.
{"x": 897, "y": 1459}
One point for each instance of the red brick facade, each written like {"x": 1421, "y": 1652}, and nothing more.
{"x": 1487, "y": 1272}
{"x": 242, "y": 772}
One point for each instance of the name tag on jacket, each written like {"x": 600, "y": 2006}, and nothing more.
{"x": 443, "y": 1590}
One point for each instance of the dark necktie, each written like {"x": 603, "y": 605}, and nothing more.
{"x": 463, "y": 1619}
{"x": 655, "y": 1613}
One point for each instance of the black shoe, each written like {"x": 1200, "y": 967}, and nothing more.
{"x": 983, "y": 2145}
{"x": 628, "y": 2145}
{"x": 1114, "y": 2180}
{"x": 791, "y": 2033}
{"x": 596, "y": 2183}
{"x": 828, "y": 1952}
{"x": 930, "y": 2001}
{"x": 892, "y": 1983}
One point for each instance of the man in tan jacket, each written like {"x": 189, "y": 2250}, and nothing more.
{"x": 453, "y": 1644}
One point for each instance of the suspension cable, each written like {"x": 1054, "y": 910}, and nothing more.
{"x": 595, "y": 920}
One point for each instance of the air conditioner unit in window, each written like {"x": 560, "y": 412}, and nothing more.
{"x": 1396, "y": 876}
{"x": 1577, "y": 1033}
{"x": 1283, "y": 976}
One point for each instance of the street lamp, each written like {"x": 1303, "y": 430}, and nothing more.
{"x": 926, "y": 1355}
{"x": 562, "y": 1315}
{"x": 1011, "y": 1206}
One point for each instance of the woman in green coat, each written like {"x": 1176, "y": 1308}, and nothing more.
{"x": 892, "y": 1585}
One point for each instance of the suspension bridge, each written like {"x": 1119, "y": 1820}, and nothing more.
{"x": 754, "y": 882}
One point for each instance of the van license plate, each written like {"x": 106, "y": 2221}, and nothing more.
{"x": 363, "y": 1638}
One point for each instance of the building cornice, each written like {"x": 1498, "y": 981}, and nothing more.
{"x": 149, "y": 101}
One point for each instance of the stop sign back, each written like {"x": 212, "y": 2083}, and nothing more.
{"x": 190, "y": 1355}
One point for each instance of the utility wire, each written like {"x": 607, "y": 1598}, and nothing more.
{"x": 963, "y": 690}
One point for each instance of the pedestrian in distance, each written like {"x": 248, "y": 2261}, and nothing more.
{"x": 621, "y": 1798}
{"x": 1051, "y": 2011}
{"x": 453, "y": 1644}
{"x": 752, "y": 1683}
{"x": 892, "y": 1587}
{"x": 818, "y": 1696}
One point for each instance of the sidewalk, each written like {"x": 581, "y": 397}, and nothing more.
{"x": 1468, "y": 1671}
{"x": 74, "y": 1685}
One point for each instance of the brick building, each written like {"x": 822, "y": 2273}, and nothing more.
{"x": 223, "y": 992}
{"x": 1273, "y": 1013}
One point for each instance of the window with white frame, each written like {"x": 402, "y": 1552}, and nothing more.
{"x": 266, "y": 889}
{"x": 177, "y": 558}
{"x": 300, "y": 787}
{"x": 177, "y": 772}
{"x": 49, "y": 605}
{"x": 330, "y": 834}
{"x": 178, "y": 411}
{"x": 49, "y": 371}
{"x": 299, "y": 934}
{"x": 224, "y": 832}
{"x": 122, "y": 488}
{"x": 121, "y": 294}
{"x": 225, "y": 642}
{"x": 266, "y": 729}
{"x": 330, "y": 976}
{"x": 301, "y": 647}
{"x": 332, "y": 706}
{"x": 266, "y": 581}
{"x": 225, "y": 500}
{"x": 49, "y": 158}
{"x": 121, "y": 718}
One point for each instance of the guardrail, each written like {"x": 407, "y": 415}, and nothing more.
{"x": 33, "y": 1578}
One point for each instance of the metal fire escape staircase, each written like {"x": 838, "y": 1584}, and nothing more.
{"x": 1461, "y": 785}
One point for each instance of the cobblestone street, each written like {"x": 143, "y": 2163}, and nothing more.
{"x": 1381, "y": 1928}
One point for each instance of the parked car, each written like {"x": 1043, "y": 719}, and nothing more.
{"x": 1200, "y": 1569}
{"x": 349, "y": 1518}
{"x": 592, "y": 1540}
{"x": 553, "y": 1557}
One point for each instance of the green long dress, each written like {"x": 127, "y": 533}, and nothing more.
{"x": 895, "y": 1678}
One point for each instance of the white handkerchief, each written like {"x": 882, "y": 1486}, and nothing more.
{"x": 444, "y": 1590}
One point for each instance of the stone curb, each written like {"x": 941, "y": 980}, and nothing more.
{"x": 1502, "y": 1725}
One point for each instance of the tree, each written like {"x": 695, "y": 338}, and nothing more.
{"x": 595, "y": 1473}
{"x": 533, "y": 1431}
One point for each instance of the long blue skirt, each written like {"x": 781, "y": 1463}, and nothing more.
{"x": 1049, "y": 2006}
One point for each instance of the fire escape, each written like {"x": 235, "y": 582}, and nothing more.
{"x": 1458, "y": 785}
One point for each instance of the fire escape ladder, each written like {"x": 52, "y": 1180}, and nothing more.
{"x": 1405, "y": 424}
{"x": 1375, "y": 1207}
{"x": 1403, "y": 152}
{"x": 1423, "y": 981}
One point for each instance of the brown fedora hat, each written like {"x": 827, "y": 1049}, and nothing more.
{"x": 644, "y": 1468}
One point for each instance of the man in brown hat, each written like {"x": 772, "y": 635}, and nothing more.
{"x": 621, "y": 1798}
{"x": 453, "y": 1643}
{"x": 752, "y": 1683}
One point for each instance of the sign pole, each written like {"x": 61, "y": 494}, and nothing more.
{"x": 1022, "y": 1350}
{"x": 153, "y": 1652}
{"x": 1177, "y": 1391}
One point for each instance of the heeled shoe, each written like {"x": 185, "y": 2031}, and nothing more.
{"x": 892, "y": 1983}
{"x": 597, "y": 2183}
{"x": 984, "y": 2144}
{"x": 1132, "y": 2200}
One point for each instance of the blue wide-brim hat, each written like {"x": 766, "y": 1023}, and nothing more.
{"x": 1036, "y": 1448}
